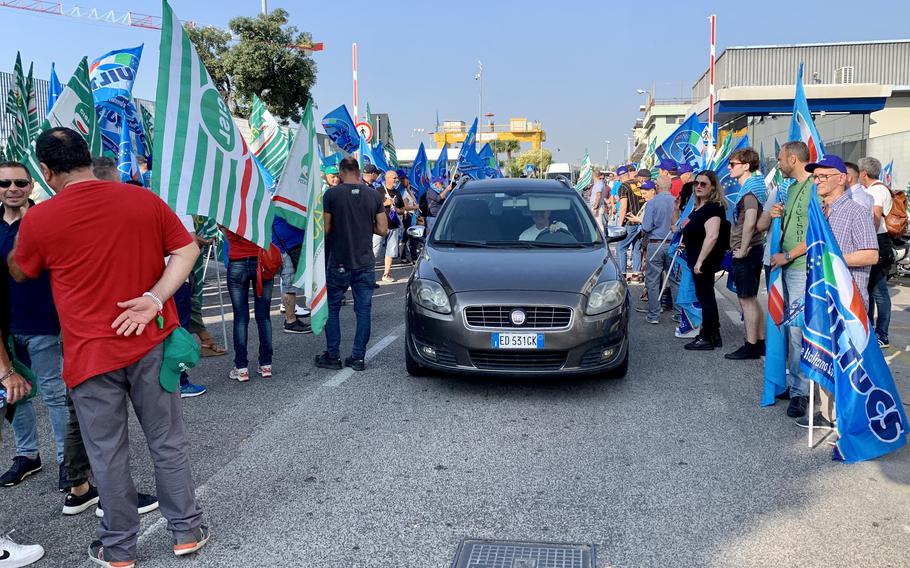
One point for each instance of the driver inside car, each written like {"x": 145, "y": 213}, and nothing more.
{"x": 541, "y": 223}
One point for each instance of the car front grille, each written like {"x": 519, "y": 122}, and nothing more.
{"x": 536, "y": 317}
{"x": 518, "y": 360}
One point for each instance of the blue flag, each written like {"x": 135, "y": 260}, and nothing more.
{"x": 340, "y": 128}
{"x": 418, "y": 174}
{"x": 776, "y": 332}
{"x": 126, "y": 159}
{"x": 441, "y": 167}
{"x": 802, "y": 127}
{"x": 685, "y": 295}
{"x": 54, "y": 88}
{"x": 378, "y": 153}
{"x": 842, "y": 355}
{"x": 469, "y": 162}
{"x": 112, "y": 76}
{"x": 489, "y": 162}
{"x": 365, "y": 152}
{"x": 686, "y": 145}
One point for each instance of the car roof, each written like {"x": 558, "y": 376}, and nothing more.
{"x": 513, "y": 184}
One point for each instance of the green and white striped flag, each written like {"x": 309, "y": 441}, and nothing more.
{"x": 147, "y": 122}
{"x": 268, "y": 140}
{"x": 202, "y": 164}
{"x": 298, "y": 199}
{"x": 17, "y": 106}
{"x": 75, "y": 108}
{"x": 32, "y": 104}
{"x": 586, "y": 175}
{"x": 390, "y": 147}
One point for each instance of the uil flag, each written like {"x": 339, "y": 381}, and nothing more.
{"x": 74, "y": 109}
{"x": 441, "y": 167}
{"x": 839, "y": 355}
{"x": 126, "y": 158}
{"x": 802, "y": 126}
{"x": 775, "y": 374}
{"x": 418, "y": 174}
{"x": 299, "y": 200}
{"x": 268, "y": 141}
{"x": 887, "y": 175}
{"x": 586, "y": 175}
{"x": 340, "y": 128}
{"x": 203, "y": 165}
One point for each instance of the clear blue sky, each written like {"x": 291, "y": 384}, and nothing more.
{"x": 573, "y": 65}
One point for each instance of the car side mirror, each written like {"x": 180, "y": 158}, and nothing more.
{"x": 416, "y": 231}
{"x": 616, "y": 233}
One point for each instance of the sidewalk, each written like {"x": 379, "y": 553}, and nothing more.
{"x": 897, "y": 355}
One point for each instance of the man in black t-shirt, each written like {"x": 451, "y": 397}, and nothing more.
{"x": 353, "y": 213}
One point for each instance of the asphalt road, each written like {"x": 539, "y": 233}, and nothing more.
{"x": 674, "y": 465}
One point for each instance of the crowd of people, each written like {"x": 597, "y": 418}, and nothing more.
{"x": 692, "y": 207}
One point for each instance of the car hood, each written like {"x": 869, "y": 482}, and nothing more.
{"x": 553, "y": 270}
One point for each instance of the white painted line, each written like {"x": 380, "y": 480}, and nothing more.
{"x": 383, "y": 294}
{"x": 341, "y": 376}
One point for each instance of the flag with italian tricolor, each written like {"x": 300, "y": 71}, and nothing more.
{"x": 298, "y": 199}
{"x": 203, "y": 166}
{"x": 268, "y": 140}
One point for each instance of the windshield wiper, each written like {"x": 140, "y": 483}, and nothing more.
{"x": 472, "y": 244}
{"x": 544, "y": 244}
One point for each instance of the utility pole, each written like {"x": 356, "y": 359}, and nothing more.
{"x": 479, "y": 77}
{"x": 265, "y": 8}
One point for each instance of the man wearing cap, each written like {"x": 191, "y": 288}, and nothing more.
{"x": 656, "y": 226}
{"x": 370, "y": 175}
{"x": 630, "y": 202}
{"x": 435, "y": 196}
{"x": 668, "y": 168}
{"x": 855, "y": 234}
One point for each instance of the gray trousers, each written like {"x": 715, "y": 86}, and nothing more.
{"x": 654, "y": 270}
{"x": 101, "y": 405}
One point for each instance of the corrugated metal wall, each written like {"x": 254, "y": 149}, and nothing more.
{"x": 6, "y": 120}
{"x": 878, "y": 62}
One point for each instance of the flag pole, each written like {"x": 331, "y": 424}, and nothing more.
{"x": 811, "y": 411}
{"x": 220, "y": 297}
{"x": 711, "y": 93}
{"x": 354, "y": 59}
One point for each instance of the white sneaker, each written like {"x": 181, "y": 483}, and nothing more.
{"x": 265, "y": 371}
{"x": 300, "y": 310}
{"x": 688, "y": 334}
{"x": 242, "y": 375}
{"x": 14, "y": 555}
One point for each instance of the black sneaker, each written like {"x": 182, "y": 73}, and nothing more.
{"x": 819, "y": 423}
{"x": 325, "y": 361}
{"x": 22, "y": 468}
{"x": 699, "y": 344}
{"x": 296, "y": 326}
{"x": 74, "y": 504}
{"x": 190, "y": 543}
{"x": 784, "y": 395}
{"x": 760, "y": 346}
{"x": 144, "y": 502}
{"x": 797, "y": 407}
{"x": 63, "y": 480}
{"x": 356, "y": 364}
{"x": 747, "y": 351}
{"x": 98, "y": 555}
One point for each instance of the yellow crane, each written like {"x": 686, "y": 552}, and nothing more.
{"x": 521, "y": 129}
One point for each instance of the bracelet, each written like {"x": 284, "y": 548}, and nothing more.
{"x": 7, "y": 374}
{"x": 156, "y": 298}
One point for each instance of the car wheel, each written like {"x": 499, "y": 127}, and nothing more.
{"x": 620, "y": 371}
{"x": 411, "y": 365}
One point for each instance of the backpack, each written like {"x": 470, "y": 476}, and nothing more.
{"x": 268, "y": 266}
{"x": 896, "y": 219}
{"x": 423, "y": 205}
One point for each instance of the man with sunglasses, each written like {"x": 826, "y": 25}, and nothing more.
{"x": 35, "y": 331}
{"x": 855, "y": 234}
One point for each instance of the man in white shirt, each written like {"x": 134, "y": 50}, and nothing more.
{"x": 541, "y": 224}
{"x": 597, "y": 196}
{"x": 855, "y": 189}
{"x": 879, "y": 297}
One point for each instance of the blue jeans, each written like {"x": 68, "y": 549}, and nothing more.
{"x": 879, "y": 302}
{"x": 360, "y": 281}
{"x": 794, "y": 288}
{"x": 43, "y": 354}
{"x": 622, "y": 249}
{"x": 241, "y": 277}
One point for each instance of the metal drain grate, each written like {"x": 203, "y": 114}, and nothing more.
{"x": 478, "y": 553}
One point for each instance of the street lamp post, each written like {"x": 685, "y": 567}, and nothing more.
{"x": 479, "y": 77}
{"x": 607, "y": 163}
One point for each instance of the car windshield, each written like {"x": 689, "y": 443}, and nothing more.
{"x": 516, "y": 219}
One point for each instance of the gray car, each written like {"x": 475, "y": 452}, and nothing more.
{"x": 516, "y": 279}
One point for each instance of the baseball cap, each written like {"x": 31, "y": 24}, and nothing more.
{"x": 647, "y": 184}
{"x": 438, "y": 179}
{"x": 370, "y": 169}
{"x": 667, "y": 165}
{"x": 181, "y": 352}
{"x": 401, "y": 173}
{"x": 645, "y": 173}
{"x": 622, "y": 170}
{"x": 684, "y": 168}
{"x": 829, "y": 161}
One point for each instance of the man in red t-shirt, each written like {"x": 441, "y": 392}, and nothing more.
{"x": 103, "y": 244}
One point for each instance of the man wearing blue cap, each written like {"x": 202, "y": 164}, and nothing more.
{"x": 668, "y": 168}
{"x": 855, "y": 234}
{"x": 656, "y": 227}
{"x": 435, "y": 196}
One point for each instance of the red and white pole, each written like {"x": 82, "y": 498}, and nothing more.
{"x": 354, "y": 55}
{"x": 711, "y": 92}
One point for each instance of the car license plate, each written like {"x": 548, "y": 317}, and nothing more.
{"x": 517, "y": 341}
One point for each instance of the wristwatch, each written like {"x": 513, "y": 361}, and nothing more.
{"x": 787, "y": 256}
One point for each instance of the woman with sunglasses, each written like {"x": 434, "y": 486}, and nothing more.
{"x": 705, "y": 234}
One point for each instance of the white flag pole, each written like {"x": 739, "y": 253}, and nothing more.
{"x": 220, "y": 297}
{"x": 811, "y": 410}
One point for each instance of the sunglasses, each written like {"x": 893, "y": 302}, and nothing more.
{"x": 703, "y": 184}
{"x": 20, "y": 183}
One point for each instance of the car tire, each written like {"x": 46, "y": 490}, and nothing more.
{"x": 411, "y": 365}
{"x": 621, "y": 370}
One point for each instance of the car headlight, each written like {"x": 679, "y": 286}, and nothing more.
{"x": 430, "y": 295}
{"x": 604, "y": 297}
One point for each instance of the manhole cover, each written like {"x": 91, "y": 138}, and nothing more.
{"x": 478, "y": 553}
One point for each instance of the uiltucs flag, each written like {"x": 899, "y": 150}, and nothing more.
{"x": 802, "y": 127}
{"x": 842, "y": 355}
{"x": 203, "y": 165}
{"x": 441, "y": 167}
{"x": 418, "y": 175}
{"x": 340, "y": 128}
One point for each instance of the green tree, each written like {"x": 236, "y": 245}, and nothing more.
{"x": 507, "y": 146}
{"x": 259, "y": 56}
{"x": 540, "y": 158}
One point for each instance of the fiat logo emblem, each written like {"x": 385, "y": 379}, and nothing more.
{"x": 518, "y": 317}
